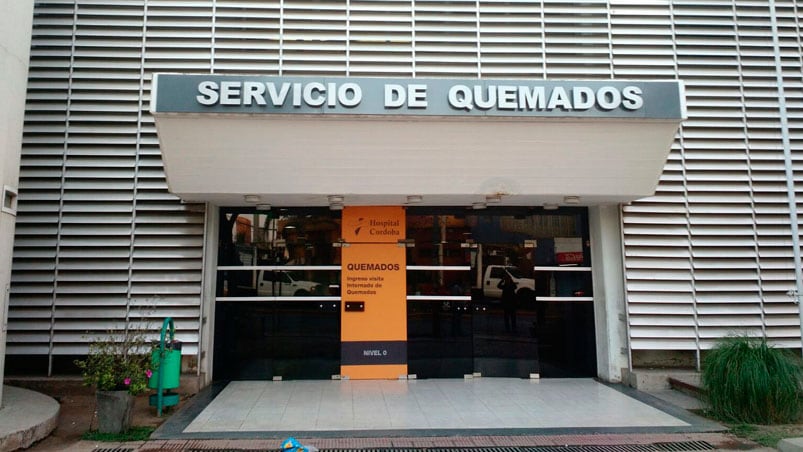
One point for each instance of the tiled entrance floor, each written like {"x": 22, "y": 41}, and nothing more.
{"x": 470, "y": 405}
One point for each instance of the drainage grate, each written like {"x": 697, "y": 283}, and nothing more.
{"x": 229, "y": 450}
{"x": 678, "y": 446}
{"x": 593, "y": 448}
{"x": 114, "y": 449}
{"x": 683, "y": 446}
{"x": 378, "y": 449}
{"x": 473, "y": 449}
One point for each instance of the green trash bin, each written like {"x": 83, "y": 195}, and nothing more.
{"x": 167, "y": 362}
{"x": 166, "y": 368}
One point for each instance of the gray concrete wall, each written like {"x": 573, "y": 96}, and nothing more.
{"x": 15, "y": 44}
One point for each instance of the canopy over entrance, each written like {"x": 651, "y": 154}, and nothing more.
{"x": 301, "y": 141}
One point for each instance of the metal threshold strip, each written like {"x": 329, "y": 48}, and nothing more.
{"x": 676, "y": 446}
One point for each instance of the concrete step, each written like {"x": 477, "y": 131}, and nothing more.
{"x": 679, "y": 399}
{"x": 26, "y": 417}
{"x": 686, "y": 385}
{"x": 656, "y": 379}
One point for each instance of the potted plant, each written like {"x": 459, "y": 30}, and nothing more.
{"x": 118, "y": 366}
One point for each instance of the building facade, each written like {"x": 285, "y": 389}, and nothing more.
{"x": 15, "y": 39}
{"x": 130, "y": 212}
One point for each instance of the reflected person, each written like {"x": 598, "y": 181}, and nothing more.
{"x": 508, "y": 287}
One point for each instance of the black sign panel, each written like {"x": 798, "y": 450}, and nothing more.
{"x": 373, "y": 352}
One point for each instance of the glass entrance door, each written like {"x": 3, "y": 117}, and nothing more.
{"x": 505, "y": 339}
{"x": 499, "y": 292}
{"x": 278, "y": 295}
{"x": 439, "y": 326}
{"x": 260, "y": 340}
{"x": 504, "y": 310}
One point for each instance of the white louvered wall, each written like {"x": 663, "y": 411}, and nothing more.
{"x": 711, "y": 253}
{"x": 99, "y": 237}
{"x": 100, "y": 243}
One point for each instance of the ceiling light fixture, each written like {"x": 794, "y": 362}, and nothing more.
{"x": 263, "y": 207}
{"x": 550, "y": 206}
{"x": 414, "y": 199}
{"x": 493, "y": 199}
{"x": 252, "y": 198}
{"x": 478, "y": 205}
{"x": 336, "y": 206}
{"x": 571, "y": 199}
{"x": 335, "y": 199}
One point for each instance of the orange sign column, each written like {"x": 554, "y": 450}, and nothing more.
{"x": 373, "y": 293}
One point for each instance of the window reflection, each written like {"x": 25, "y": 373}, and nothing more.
{"x": 485, "y": 245}
{"x": 494, "y": 243}
{"x": 300, "y": 240}
{"x": 278, "y": 238}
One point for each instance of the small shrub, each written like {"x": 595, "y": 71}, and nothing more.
{"x": 120, "y": 361}
{"x": 747, "y": 381}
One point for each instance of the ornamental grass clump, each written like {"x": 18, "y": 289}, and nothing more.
{"x": 745, "y": 380}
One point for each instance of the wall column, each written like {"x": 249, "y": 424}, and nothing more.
{"x": 15, "y": 46}
{"x": 609, "y": 300}
{"x": 208, "y": 294}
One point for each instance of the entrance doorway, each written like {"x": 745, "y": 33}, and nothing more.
{"x": 278, "y": 307}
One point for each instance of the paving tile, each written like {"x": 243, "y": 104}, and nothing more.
{"x": 461, "y": 405}
{"x": 450, "y": 441}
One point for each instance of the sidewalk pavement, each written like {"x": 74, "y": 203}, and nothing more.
{"x": 719, "y": 441}
{"x": 77, "y": 415}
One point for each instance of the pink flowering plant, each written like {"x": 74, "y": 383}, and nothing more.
{"x": 119, "y": 362}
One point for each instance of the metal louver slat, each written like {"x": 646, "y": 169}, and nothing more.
{"x": 246, "y": 36}
{"x": 380, "y": 38}
{"x": 313, "y": 37}
{"x": 576, "y": 39}
{"x": 511, "y": 39}
{"x": 446, "y": 38}
{"x": 641, "y": 41}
